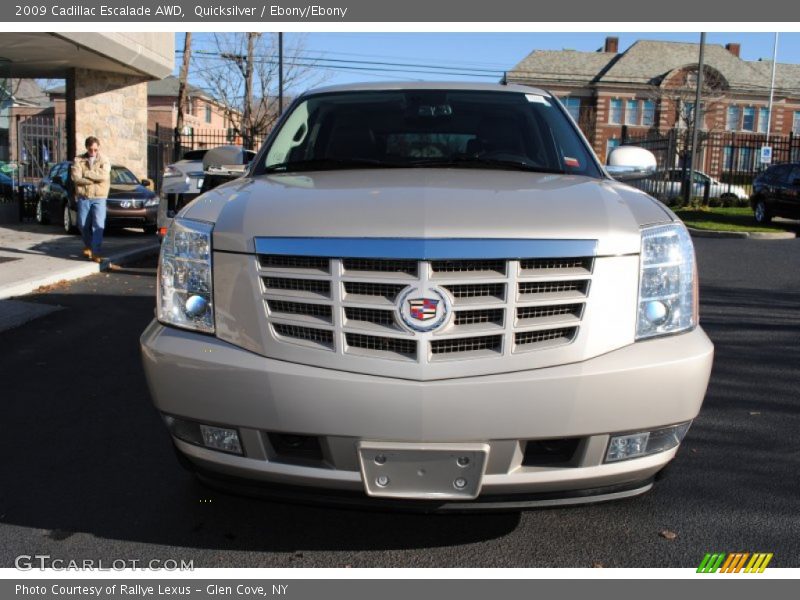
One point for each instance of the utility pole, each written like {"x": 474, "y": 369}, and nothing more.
{"x": 697, "y": 119}
{"x": 772, "y": 86}
{"x": 247, "y": 115}
{"x": 182, "y": 80}
{"x": 280, "y": 73}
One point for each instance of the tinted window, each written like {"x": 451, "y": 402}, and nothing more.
{"x": 194, "y": 154}
{"x": 429, "y": 128}
{"x": 794, "y": 176}
{"x": 778, "y": 174}
{"x": 121, "y": 175}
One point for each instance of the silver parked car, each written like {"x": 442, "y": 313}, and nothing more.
{"x": 428, "y": 295}
{"x": 666, "y": 185}
{"x": 184, "y": 180}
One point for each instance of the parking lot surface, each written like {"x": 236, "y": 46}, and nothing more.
{"x": 88, "y": 471}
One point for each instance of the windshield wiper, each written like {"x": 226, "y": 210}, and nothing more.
{"x": 483, "y": 163}
{"x": 318, "y": 164}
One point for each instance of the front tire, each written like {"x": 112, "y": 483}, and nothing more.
{"x": 760, "y": 213}
{"x": 68, "y": 225}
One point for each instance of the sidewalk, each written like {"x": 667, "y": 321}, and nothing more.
{"x": 33, "y": 255}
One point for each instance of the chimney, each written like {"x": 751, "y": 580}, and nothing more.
{"x": 612, "y": 44}
{"x": 733, "y": 49}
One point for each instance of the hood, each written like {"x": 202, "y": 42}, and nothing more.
{"x": 427, "y": 203}
{"x": 129, "y": 190}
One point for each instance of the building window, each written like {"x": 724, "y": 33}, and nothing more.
{"x": 208, "y": 114}
{"x": 739, "y": 159}
{"x": 610, "y": 145}
{"x": 615, "y": 112}
{"x": 573, "y": 106}
{"x": 796, "y": 122}
{"x": 687, "y": 113}
{"x": 632, "y": 112}
{"x": 732, "y": 122}
{"x": 648, "y": 113}
{"x": 763, "y": 120}
{"x": 749, "y": 119}
{"x": 727, "y": 158}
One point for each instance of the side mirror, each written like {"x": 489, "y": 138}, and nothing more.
{"x": 148, "y": 183}
{"x": 627, "y": 163}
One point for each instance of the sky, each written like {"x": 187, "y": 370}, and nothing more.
{"x": 464, "y": 56}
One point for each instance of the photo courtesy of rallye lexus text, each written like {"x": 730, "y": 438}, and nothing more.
{"x": 429, "y": 296}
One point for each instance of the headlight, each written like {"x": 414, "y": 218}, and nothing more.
{"x": 170, "y": 171}
{"x": 667, "y": 282}
{"x": 185, "y": 294}
{"x": 151, "y": 201}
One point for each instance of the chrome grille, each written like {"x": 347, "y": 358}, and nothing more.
{"x": 403, "y": 347}
{"x": 477, "y": 290}
{"x": 323, "y": 337}
{"x": 311, "y": 263}
{"x": 538, "y": 337}
{"x": 388, "y": 291}
{"x": 474, "y": 317}
{"x": 556, "y": 263}
{"x": 470, "y": 344}
{"x": 314, "y": 286}
{"x": 370, "y": 315}
{"x": 300, "y": 308}
{"x": 552, "y": 287}
{"x": 499, "y": 307}
{"x": 371, "y": 265}
{"x": 486, "y": 267}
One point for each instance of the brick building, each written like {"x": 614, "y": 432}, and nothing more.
{"x": 201, "y": 113}
{"x": 649, "y": 89}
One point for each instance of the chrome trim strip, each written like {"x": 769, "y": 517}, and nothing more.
{"x": 425, "y": 248}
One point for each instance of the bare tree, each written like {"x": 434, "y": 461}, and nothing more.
{"x": 242, "y": 75}
{"x": 675, "y": 97}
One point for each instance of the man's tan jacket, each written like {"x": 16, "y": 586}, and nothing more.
{"x": 91, "y": 181}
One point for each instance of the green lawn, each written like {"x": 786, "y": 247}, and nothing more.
{"x": 725, "y": 219}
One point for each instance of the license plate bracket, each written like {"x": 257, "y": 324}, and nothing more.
{"x": 423, "y": 471}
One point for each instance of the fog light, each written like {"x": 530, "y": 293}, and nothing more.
{"x": 220, "y": 438}
{"x": 645, "y": 443}
{"x": 209, "y": 436}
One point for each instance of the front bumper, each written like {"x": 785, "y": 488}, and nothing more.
{"x": 132, "y": 217}
{"x": 640, "y": 387}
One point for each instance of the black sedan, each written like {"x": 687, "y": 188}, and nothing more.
{"x": 130, "y": 203}
{"x": 776, "y": 193}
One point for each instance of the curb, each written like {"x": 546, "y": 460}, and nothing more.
{"x": 77, "y": 272}
{"x": 753, "y": 235}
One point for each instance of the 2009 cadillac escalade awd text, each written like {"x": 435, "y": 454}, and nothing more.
{"x": 432, "y": 295}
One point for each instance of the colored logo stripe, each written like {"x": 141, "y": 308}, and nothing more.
{"x": 735, "y": 562}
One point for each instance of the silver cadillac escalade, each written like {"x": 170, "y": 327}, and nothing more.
{"x": 429, "y": 296}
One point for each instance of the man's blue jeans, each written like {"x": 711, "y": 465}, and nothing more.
{"x": 92, "y": 221}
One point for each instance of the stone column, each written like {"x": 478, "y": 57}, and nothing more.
{"x": 113, "y": 108}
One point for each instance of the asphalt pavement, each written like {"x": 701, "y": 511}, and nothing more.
{"x": 88, "y": 469}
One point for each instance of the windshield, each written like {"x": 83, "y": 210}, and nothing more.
{"x": 121, "y": 175}
{"x": 429, "y": 128}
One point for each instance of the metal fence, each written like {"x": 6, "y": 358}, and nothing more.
{"x": 165, "y": 146}
{"x": 731, "y": 160}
